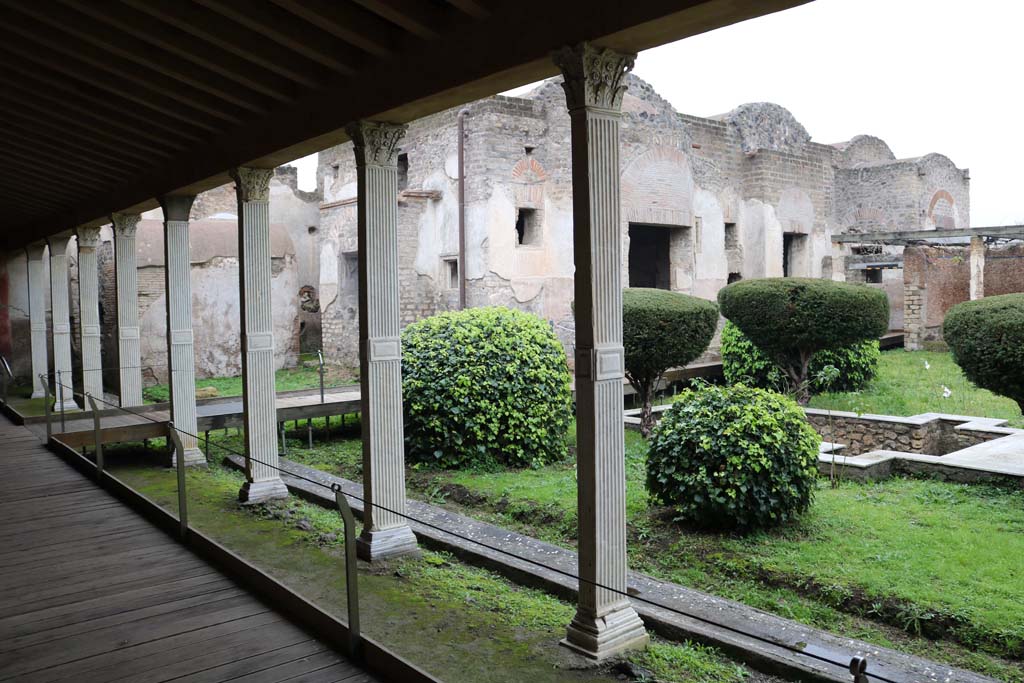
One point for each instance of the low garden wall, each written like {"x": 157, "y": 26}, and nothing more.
{"x": 927, "y": 434}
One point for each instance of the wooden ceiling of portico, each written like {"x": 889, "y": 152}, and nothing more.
{"x": 106, "y": 105}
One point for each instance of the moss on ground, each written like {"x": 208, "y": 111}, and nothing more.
{"x": 458, "y": 622}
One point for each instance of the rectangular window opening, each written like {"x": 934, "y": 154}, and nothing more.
{"x": 527, "y": 228}
{"x": 873, "y": 275}
{"x": 649, "y": 256}
{"x": 732, "y": 238}
{"x": 403, "y": 171}
{"x": 451, "y": 269}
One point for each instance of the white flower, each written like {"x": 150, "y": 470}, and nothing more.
{"x": 927, "y": 365}
{"x": 946, "y": 392}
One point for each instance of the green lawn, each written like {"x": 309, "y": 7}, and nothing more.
{"x": 905, "y": 385}
{"x": 287, "y": 379}
{"x": 493, "y": 631}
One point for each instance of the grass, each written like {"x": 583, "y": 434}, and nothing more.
{"x": 905, "y": 386}
{"x": 458, "y": 622}
{"x": 286, "y": 379}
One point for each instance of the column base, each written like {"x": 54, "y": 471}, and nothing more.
{"x": 374, "y": 546}
{"x": 603, "y": 637}
{"x": 68, "y": 405}
{"x": 38, "y": 393}
{"x": 254, "y": 492}
{"x": 193, "y": 458}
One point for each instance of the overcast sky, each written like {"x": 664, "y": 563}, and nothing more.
{"x": 923, "y": 75}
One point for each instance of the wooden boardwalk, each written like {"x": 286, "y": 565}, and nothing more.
{"x": 90, "y": 591}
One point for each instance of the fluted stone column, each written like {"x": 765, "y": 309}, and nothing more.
{"x": 252, "y": 186}
{"x": 126, "y": 277}
{"x": 385, "y": 532}
{"x": 605, "y": 622}
{"x": 37, "y": 316}
{"x": 61, "y": 315}
{"x": 89, "y": 311}
{"x": 180, "y": 352}
{"x": 977, "y": 267}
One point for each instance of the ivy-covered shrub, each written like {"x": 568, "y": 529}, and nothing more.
{"x": 662, "y": 330}
{"x": 733, "y": 458}
{"x": 743, "y": 362}
{"x": 986, "y": 337}
{"x": 484, "y": 386}
{"x": 791, "y": 319}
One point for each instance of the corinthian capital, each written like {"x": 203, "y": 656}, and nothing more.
{"x": 125, "y": 224}
{"x": 252, "y": 184}
{"x": 88, "y": 237}
{"x": 593, "y": 76}
{"x": 376, "y": 143}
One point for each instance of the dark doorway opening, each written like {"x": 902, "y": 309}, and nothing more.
{"x": 793, "y": 246}
{"x": 649, "y": 256}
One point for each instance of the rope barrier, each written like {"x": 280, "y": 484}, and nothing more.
{"x": 858, "y": 662}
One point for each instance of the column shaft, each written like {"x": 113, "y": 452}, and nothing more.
{"x": 258, "y": 387}
{"x": 126, "y": 276}
{"x": 89, "y": 311}
{"x": 37, "y": 317}
{"x": 605, "y": 622}
{"x": 61, "y": 323}
{"x": 977, "y": 267}
{"x": 386, "y": 533}
{"x": 180, "y": 351}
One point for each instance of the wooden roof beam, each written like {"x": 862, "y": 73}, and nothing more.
{"x": 90, "y": 77}
{"x": 54, "y": 138}
{"x": 98, "y": 60}
{"x": 419, "y": 18}
{"x": 132, "y": 50}
{"x": 177, "y": 42}
{"x": 473, "y": 8}
{"x": 349, "y": 23}
{"x": 291, "y": 32}
{"x": 230, "y": 36}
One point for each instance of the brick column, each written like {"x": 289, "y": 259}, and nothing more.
{"x": 126, "y": 276}
{"x": 605, "y": 622}
{"x": 37, "y": 316}
{"x": 61, "y": 315}
{"x": 89, "y": 310}
{"x": 252, "y": 186}
{"x": 180, "y": 352}
{"x": 977, "y": 267}
{"x": 385, "y": 534}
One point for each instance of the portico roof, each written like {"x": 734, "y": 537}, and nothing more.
{"x": 106, "y": 105}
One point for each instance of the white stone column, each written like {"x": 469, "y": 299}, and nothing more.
{"x": 605, "y": 622}
{"x": 386, "y": 533}
{"x": 89, "y": 311}
{"x": 180, "y": 353}
{"x": 977, "y": 267}
{"x": 37, "y": 316}
{"x": 61, "y": 314}
{"x": 252, "y": 186}
{"x": 126, "y": 276}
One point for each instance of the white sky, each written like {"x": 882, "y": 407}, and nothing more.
{"x": 923, "y": 75}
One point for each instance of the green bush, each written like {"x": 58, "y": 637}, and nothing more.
{"x": 986, "y": 337}
{"x": 742, "y": 362}
{"x": 484, "y": 386}
{"x": 791, "y": 319}
{"x": 733, "y": 458}
{"x": 662, "y": 330}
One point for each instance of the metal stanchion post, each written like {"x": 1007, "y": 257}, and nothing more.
{"x": 284, "y": 440}
{"x": 179, "y": 461}
{"x": 97, "y": 436}
{"x": 309, "y": 431}
{"x": 351, "y": 573}
{"x": 60, "y": 396}
{"x": 46, "y": 406}
{"x": 320, "y": 355}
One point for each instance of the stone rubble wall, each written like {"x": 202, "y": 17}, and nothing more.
{"x": 868, "y": 433}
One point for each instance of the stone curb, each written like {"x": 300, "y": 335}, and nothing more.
{"x": 766, "y": 643}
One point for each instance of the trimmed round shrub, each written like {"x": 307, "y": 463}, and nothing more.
{"x": 662, "y": 330}
{"x": 791, "y": 319}
{"x": 986, "y": 338}
{"x": 485, "y": 386}
{"x": 743, "y": 362}
{"x": 733, "y": 458}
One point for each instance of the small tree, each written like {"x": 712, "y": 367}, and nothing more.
{"x": 986, "y": 338}
{"x": 662, "y": 330}
{"x": 791, "y": 319}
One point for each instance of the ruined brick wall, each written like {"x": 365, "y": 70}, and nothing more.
{"x": 938, "y": 278}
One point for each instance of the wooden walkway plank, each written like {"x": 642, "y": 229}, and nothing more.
{"x": 90, "y": 591}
